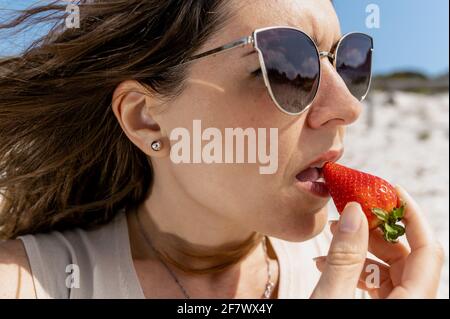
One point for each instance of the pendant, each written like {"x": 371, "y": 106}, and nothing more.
{"x": 268, "y": 291}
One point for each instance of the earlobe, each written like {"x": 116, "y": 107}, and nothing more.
{"x": 156, "y": 146}
{"x": 159, "y": 148}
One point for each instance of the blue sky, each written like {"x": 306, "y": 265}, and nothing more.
{"x": 413, "y": 34}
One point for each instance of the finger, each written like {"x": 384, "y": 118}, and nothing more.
{"x": 421, "y": 273}
{"x": 346, "y": 257}
{"x": 333, "y": 226}
{"x": 387, "y": 252}
{"x": 378, "y": 246}
{"x": 375, "y": 277}
{"x": 418, "y": 232}
{"x": 422, "y": 270}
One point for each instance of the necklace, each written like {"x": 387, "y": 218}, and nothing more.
{"x": 269, "y": 284}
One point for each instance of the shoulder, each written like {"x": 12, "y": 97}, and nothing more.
{"x": 61, "y": 261}
{"x": 15, "y": 271}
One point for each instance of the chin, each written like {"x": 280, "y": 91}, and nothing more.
{"x": 305, "y": 227}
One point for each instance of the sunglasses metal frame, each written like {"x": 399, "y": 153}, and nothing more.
{"x": 252, "y": 40}
{"x": 338, "y": 46}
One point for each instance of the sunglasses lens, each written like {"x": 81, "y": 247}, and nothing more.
{"x": 293, "y": 67}
{"x": 354, "y": 63}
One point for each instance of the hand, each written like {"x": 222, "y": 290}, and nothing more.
{"x": 406, "y": 272}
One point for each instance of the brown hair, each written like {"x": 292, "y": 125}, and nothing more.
{"x": 64, "y": 160}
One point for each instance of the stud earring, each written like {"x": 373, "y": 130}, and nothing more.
{"x": 156, "y": 146}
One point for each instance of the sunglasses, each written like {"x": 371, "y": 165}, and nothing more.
{"x": 290, "y": 64}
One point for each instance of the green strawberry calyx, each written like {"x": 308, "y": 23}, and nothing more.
{"x": 391, "y": 230}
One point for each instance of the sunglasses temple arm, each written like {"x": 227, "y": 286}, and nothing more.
{"x": 236, "y": 44}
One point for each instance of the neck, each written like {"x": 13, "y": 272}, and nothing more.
{"x": 190, "y": 237}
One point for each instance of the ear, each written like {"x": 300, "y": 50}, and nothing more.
{"x": 134, "y": 109}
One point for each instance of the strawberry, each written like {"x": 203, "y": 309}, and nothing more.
{"x": 376, "y": 196}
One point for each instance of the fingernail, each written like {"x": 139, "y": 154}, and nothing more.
{"x": 351, "y": 218}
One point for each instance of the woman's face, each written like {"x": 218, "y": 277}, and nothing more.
{"x": 222, "y": 93}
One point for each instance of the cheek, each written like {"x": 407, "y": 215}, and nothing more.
{"x": 239, "y": 190}
{"x": 234, "y": 187}
{"x": 257, "y": 103}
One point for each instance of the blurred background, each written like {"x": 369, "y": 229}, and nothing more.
{"x": 403, "y": 134}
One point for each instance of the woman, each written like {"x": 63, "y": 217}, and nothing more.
{"x": 95, "y": 206}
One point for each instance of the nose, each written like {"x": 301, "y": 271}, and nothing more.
{"x": 334, "y": 104}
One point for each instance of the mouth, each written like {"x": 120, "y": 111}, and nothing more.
{"x": 311, "y": 180}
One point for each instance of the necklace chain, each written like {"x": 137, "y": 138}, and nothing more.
{"x": 269, "y": 284}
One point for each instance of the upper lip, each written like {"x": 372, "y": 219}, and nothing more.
{"x": 329, "y": 156}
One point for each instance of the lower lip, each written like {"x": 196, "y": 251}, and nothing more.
{"x": 318, "y": 189}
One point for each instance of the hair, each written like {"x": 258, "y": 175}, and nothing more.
{"x": 64, "y": 159}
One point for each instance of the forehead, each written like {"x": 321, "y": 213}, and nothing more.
{"x": 315, "y": 17}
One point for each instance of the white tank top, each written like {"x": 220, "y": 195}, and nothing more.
{"x": 98, "y": 264}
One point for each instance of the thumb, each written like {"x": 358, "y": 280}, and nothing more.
{"x": 346, "y": 257}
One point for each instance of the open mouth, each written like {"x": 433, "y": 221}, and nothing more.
{"x": 312, "y": 181}
{"x": 311, "y": 174}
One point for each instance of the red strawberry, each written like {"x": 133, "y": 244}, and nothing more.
{"x": 376, "y": 196}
